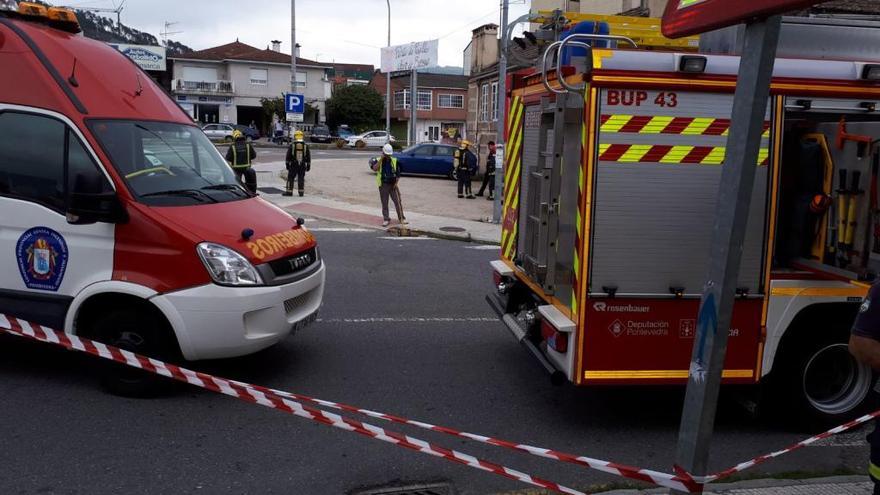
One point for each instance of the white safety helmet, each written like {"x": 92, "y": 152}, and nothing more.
{"x": 388, "y": 150}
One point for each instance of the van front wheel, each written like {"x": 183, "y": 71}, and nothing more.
{"x": 138, "y": 331}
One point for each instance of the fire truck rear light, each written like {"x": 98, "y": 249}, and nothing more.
{"x": 555, "y": 339}
{"x": 32, "y": 9}
{"x": 497, "y": 278}
{"x": 692, "y": 64}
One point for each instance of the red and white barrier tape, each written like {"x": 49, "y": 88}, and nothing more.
{"x": 703, "y": 480}
{"x": 683, "y": 483}
{"x": 277, "y": 399}
{"x": 250, "y": 393}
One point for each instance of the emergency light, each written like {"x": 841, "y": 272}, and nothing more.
{"x": 871, "y": 72}
{"x": 692, "y": 64}
{"x": 30, "y": 9}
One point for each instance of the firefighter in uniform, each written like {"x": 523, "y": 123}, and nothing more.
{"x": 299, "y": 161}
{"x": 240, "y": 156}
{"x": 489, "y": 178}
{"x": 465, "y": 164}
{"x": 864, "y": 344}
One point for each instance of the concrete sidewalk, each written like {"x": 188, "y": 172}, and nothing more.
{"x": 835, "y": 485}
{"x": 345, "y": 191}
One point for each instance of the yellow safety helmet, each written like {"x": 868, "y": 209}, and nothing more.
{"x": 298, "y": 135}
{"x": 236, "y": 134}
{"x": 465, "y": 143}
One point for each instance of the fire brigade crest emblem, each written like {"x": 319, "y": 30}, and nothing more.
{"x": 42, "y": 258}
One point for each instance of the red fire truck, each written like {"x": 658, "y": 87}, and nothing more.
{"x": 611, "y": 176}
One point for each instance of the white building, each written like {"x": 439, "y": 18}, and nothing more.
{"x": 226, "y": 83}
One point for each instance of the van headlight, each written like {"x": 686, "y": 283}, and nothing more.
{"x": 226, "y": 266}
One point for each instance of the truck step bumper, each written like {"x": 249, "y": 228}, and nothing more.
{"x": 557, "y": 377}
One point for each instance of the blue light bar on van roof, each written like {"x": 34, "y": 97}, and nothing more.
{"x": 10, "y": 5}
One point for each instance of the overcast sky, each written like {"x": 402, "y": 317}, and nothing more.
{"x": 328, "y": 30}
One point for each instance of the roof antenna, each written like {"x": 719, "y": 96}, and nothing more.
{"x": 140, "y": 89}
{"x": 72, "y": 79}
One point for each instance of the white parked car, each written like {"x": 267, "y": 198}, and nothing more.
{"x": 220, "y": 132}
{"x": 372, "y": 139}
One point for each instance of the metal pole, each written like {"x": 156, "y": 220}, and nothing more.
{"x": 734, "y": 199}
{"x": 414, "y": 107}
{"x": 388, "y": 95}
{"x": 292, "y": 56}
{"x": 501, "y": 124}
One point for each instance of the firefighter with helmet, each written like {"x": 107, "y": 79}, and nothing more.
{"x": 240, "y": 156}
{"x": 464, "y": 162}
{"x": 299, "y": 161}
{"x": 387, "y": 175}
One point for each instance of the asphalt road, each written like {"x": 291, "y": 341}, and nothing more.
{"x": 384, "y": 341}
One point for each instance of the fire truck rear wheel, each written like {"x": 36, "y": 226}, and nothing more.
{"x": 140, "y": 331}
{"x": 823, "y": 382}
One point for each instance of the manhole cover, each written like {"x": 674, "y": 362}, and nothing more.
{"x": 270, "y": 190}
{"x": 420, "y": 489}
{"x": 452, "y": 229}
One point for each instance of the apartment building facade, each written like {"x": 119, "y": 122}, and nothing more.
{"x": 440, "y": 100}
{"x": 226, "y": 83}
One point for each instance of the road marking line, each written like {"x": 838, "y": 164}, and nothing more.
{"x": 395, "y": 238}
{"x": 337, "y": 229}
{"x": 486, "y": 247}
{"x": 408, "y": 320}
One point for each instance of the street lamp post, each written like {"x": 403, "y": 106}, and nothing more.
{"x": 388, "y": 84}
{"x": 292, "y": 55}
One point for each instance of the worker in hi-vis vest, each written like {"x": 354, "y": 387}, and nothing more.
{"x": 387, "y": 175}
{"x": 240, "y": 156}
{"x": 299, "y": 161}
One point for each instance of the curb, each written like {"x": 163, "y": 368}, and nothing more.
{"x": 796, "y": 485}
{"x": 463, "y": 237}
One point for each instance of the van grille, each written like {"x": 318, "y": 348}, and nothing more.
{"x": 295, "y": 263}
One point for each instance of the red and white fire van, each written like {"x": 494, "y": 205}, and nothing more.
{"x": 120, "y": 221}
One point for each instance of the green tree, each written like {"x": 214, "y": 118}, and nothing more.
{"x": 272, "y": 107}
{"x": 360, "y": 107}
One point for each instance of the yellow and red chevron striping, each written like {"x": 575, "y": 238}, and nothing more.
{"x": 665, "y": 124}
{"x": 512, "y": 167}
{"x": 647, "y": 153}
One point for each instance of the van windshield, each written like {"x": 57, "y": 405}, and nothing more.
{"x": 167, "y": 164}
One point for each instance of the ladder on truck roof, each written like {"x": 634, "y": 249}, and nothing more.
{"x": 643, "y": 30}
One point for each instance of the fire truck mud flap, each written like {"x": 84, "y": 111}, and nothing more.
{"x": 557, "y": 377}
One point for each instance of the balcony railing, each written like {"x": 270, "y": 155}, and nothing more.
{"x": 204, "y": 87}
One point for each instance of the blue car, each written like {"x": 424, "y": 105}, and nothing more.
{"x": 429, "y": 159}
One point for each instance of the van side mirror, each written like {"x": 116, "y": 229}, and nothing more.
{"x": 92, "y": 203}
{"x": 85, "y": 209}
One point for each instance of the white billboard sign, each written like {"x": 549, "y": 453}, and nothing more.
{"x": 410, "y": 56}
{"x": 146, "y": 56}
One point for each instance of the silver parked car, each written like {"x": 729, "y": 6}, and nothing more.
{"x": 218, "y": 132}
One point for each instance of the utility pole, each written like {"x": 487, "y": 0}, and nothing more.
{"x": 732, "y": 212}
{"x": 388, "y": 95}
{"x": 414, "y": 106}
{"x": 292, "y": 57}
{"x": 501, "y": 124}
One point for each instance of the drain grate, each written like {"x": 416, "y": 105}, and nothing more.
{"x": 419, "y": 489}
{"x": 270, "y": 190}
{"x": 452, "y": 229}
